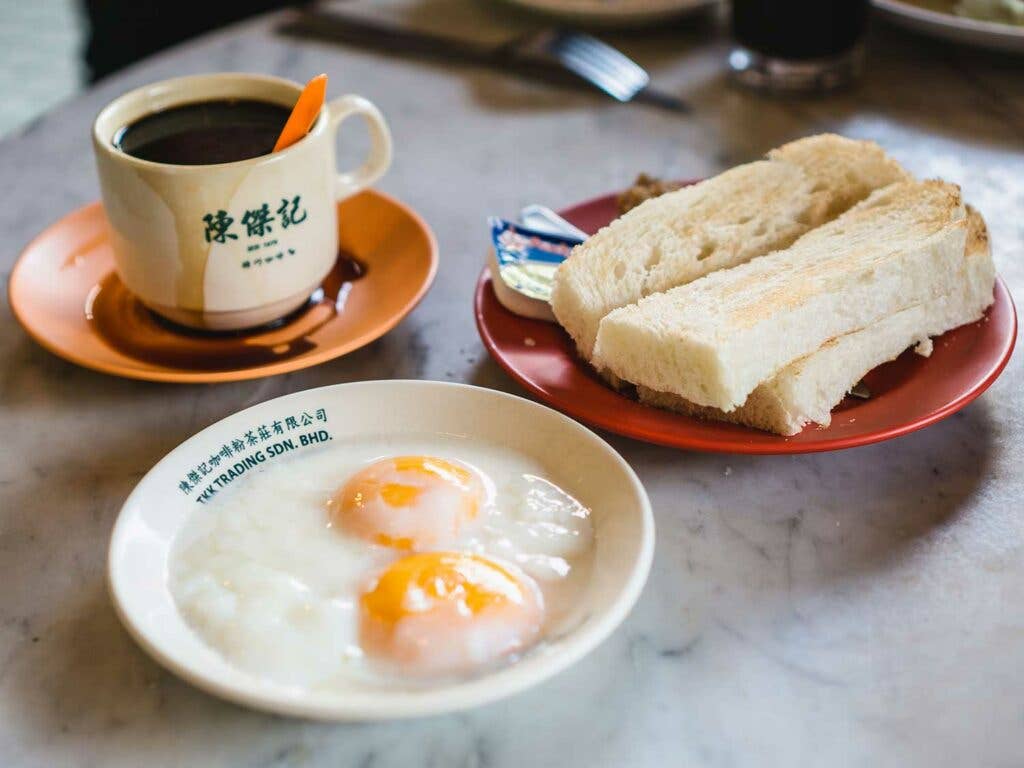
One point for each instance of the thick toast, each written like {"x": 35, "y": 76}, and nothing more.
{"x": 730, "y": 219}
{"x": 808, "y": 389}
{"x": 713, "y": 341}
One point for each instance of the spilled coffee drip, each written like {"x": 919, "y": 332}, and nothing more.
{"x": 124, "y": 323}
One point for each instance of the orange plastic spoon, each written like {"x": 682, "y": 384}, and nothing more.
{"x": 303, "y": 113}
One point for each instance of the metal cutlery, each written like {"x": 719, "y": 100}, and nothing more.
{"x": 596, "y": 62}
{"x": 562, "y": 56}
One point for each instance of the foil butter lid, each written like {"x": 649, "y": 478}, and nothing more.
{"x": 527, "y": 258}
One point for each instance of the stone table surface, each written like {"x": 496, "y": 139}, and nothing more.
{"x": 853, "y": 608}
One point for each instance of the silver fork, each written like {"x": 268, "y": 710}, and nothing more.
{"x": 596, "y": 62}
{"x": 550, "y": 54}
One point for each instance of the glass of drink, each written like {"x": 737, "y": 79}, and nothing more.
{"x": 797, "y": 46}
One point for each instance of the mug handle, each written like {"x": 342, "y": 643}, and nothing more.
{"x": 379, "y": 158}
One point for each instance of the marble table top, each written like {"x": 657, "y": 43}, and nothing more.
{"x": 845, "y": 609}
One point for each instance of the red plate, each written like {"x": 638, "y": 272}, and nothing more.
{"x": 908, "y": 393}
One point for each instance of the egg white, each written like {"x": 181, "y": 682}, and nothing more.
{"x": 262, "y": 576}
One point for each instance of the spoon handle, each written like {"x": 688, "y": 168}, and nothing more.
{"x": 308, "y": 106}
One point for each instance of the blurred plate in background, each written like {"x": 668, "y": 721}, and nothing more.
{"x": 609, "y": 13}
{"x": 958, "y": 29}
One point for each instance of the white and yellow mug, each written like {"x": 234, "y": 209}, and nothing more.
{"x": 177, "y": 231}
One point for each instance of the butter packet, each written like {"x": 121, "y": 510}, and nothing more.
{"x": 523, "y": 264}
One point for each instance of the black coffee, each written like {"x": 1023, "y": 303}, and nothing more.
{"x": 205, "y": 132}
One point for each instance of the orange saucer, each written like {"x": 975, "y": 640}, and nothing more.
{"x": 65, "y": 293}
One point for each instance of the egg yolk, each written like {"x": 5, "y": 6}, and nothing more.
{"x": 447, "y": 612}
{"x": 409, "y": 502}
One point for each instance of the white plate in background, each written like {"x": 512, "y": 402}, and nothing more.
{"x": 957, "y": 29}
{"x": 608, "y": 13}
{"x": 580, "y": 461}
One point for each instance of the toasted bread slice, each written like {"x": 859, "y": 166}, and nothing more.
{"x": 714, "y": 340}
{"x": 745, "y": 212}
{"x": 807, "y": 390}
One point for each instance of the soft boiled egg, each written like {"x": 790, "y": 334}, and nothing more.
{"x": 410, "y": 502}
{"x": 384, "y": 564}
{"x": 447, "y": 612}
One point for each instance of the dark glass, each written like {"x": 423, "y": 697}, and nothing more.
{"x": 205, "y": 132}
{"x": 797, "y": 46}
{"x": 799, "y": 29}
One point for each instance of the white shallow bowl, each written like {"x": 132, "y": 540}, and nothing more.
{"x": 581, "y": 462}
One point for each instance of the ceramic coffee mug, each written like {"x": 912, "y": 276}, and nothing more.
{"x": 233, "y": 245}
